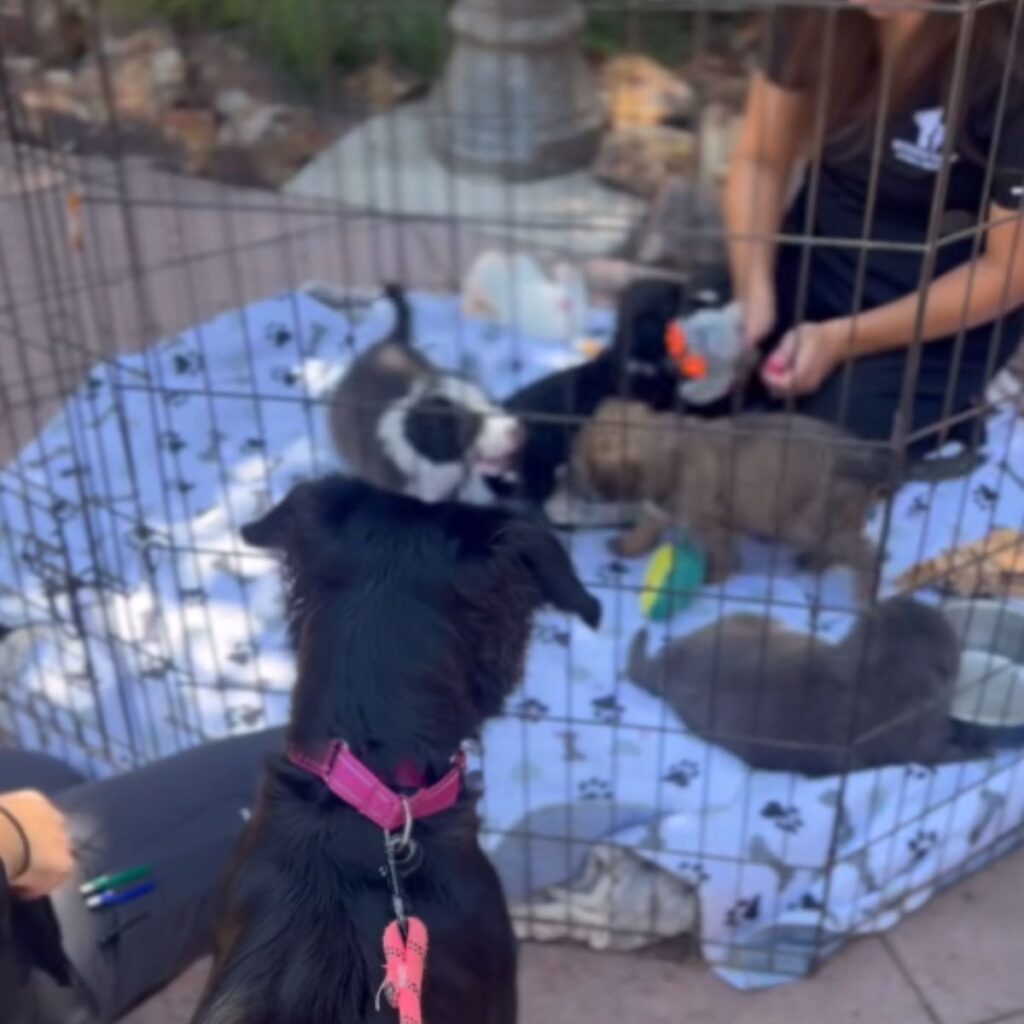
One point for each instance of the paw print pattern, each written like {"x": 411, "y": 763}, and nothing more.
{"x": 158, "y": 669}
{"x": 682, "y": 773}
{"x": 278, "y": 335}
{"x": 985, "y": 497}
{"x": 594, "y": 789}
{"x": 317, "y": 333}
{"x": 174, "y": 399}
{"x": 247, "y": 716}
{"x": 72, "y": 471}
{"x": 251, "y": 445}
{"x": 531, "y": 710}
{"x": 243, "y": 652}
{"x": 61, "y": 511}
{"x": 786, "y": 819}
{"x": 808, "y": 902}
{"x": 743, "y": 912}
{"x": 548, "y": 634}
{"x": 141, "y": 535}
{"x": 570, "y": 750}
{"x": 919, "y": 772}
{"x": 612, "y": 572}
{"x": 188, "y": 364}
{"x": 289, "y": 378}
{"x": 919, "y": 506}
{"x": 607, "y": 709}
{"x": 211, "y": 452}
{"x": 922, "y": 844}
{"x": 692, "y": 873}
{"x": 172, "y": 442}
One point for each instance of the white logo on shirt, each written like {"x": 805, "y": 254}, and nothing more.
{"x": 926, "y": 152}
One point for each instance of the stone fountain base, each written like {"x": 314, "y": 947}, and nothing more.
{"x": 387, "y": 166}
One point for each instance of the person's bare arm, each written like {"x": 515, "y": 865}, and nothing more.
{"x": 966, "y": 297}
{"x": 771, "y": 141}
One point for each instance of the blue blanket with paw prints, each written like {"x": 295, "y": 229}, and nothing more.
{"x": 143, "y": 625}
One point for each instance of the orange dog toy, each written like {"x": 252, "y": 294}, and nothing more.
{"x": 405, "y": 962}
{"x": 689, "y": 364}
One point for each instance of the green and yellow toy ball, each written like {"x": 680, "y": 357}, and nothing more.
{"x": 674, "y": 575}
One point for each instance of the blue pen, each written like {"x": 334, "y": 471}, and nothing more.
{"x": 116, "y": 898}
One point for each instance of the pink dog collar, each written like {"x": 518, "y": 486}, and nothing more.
{"x": 352, "y": 782}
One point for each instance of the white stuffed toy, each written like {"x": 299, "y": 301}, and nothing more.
{"x": 514, "y": 291}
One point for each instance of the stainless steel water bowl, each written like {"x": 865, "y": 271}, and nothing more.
{"x": 988, "y": 709}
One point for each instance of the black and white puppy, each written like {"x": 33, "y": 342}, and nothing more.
{"x": 404, "y": 425}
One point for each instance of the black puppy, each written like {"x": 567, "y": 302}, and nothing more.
{"x": 411, "y": 623}
{"x": 635, "y": 365}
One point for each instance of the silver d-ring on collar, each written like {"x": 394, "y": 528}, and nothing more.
{"x": 402, "y": 842}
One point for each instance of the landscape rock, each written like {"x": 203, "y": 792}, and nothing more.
{"x": 380, "y": 87}
{"x": 207, "y": 110}
{"x": 683, "y": 231}
{"x": 640, "y": 160}
{"x": 718, "y": 131}
{"x": 233, "y": 103}
{"x": 289, "y": 141}
{"x": 56, "y": 32}
{"x": 638, "y": 91}
{"x": 719, "y": 78}
{"x": 194, "y": 132}
{"x": 47, "y": 106}
{"x": 292, "y": 138}
{"x": 251, "y": 127}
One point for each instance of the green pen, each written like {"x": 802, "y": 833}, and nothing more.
{"x": 104, "y": 882}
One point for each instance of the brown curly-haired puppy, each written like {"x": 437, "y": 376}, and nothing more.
{"x": 775, "y": 476}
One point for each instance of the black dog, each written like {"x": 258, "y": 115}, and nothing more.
{"x": 635, "y": 365}
{"x": 411, "y": 623}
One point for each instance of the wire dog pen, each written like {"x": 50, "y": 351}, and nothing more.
{"x": 166, "y": 374}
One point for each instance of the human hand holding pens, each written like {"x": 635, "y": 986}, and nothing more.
{"x": 35, "y": 846}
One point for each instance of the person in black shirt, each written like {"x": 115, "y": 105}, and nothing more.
{"x": 866, "y": 95}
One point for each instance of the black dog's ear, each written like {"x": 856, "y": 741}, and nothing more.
{"x": 318, "y": 505}
{"x": 271, "y": 529}
{"x": 553, "y": 570}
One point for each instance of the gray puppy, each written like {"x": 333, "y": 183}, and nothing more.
{"x": 787, "y": 701}
{"x": 402, "y": 424}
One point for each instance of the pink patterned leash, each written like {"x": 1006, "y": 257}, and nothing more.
{"x": 405, "y": 962}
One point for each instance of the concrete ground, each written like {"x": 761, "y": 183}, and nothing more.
{"x": 958, "y": 961}
{"x": 181, "y": 251}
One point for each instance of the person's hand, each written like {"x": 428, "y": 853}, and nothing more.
{"x": 759, "y": 312}
{"x": 51, "y": 858}
{"x": 804, "y": 358}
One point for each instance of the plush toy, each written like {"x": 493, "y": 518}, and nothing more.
{"x": 674, "y": 574}
{"x": 515, "y": 291}
{"x": 707, "y": 350}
